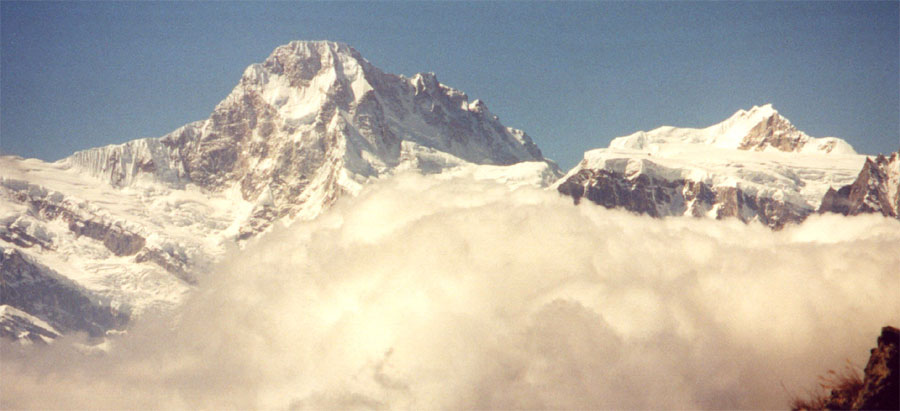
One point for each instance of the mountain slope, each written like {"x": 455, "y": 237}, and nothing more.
{"x": 755, "y": 166}
{"x": 132, "y": 226}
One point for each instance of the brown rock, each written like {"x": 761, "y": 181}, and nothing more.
{"x": 881, "y": 386}
{"x": 870, "y": 193}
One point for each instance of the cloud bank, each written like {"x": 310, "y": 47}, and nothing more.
{"x": 432, "y": 294}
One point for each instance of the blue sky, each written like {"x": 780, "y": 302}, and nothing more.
{"x": 571, "y": 74}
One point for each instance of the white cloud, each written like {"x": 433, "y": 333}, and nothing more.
{"x": 459, "y": 294}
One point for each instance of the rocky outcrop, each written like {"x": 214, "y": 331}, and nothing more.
{"x": 659, "y": 197}
{"x": 879, "y": 387}
{"x": 837, "y": 201}
{"x": 68, "y": 307}
{"x": 174, "y": 263}
{"x": 48, "y": 205}
{"x": 44, "y": 205}
{"x": 881, "y": 381}
{"x": 637, "y": 183}
{"x": 876, "y": 190}
{"x": 115, "y": 238}
{"x": 26, "y": 232}
{"x": 775, "y": 131}
{"x": 642, "y": 195}
{"x": 20, "y": 326}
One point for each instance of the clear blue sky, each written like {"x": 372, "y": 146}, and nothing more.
{"x": 571, "y": 74}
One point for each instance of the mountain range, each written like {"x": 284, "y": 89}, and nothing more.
{"x": 108, "y": 234}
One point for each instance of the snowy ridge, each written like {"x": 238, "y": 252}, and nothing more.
{"x": 761, "y": 129}
{"x": 525, "y": 174}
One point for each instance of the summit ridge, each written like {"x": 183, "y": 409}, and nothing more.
{"x": 761, "y": 128}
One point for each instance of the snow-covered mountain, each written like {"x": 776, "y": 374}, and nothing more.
{"x": 312, "y": 121}
{"x": 113, "y": 232}
{"x": 755, "y": 166}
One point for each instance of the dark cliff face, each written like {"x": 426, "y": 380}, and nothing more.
{"x": 656, "y": 197}
{"x": 36, "y": 289}
{"x": 16, "y": 328}
{"x": 879, "y": 388}
{"x": 870, "y": 193}
{"x": 837, "y": 201}
{"x": 881, "y": 383}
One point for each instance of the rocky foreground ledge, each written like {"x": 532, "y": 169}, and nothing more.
{"x": 879, "y": 387}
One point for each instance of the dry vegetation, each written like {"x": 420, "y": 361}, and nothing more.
{"x": 836, "y": 390}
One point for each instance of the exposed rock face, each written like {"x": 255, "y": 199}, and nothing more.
{"x": 173, "y": 263}
{"x": 50, "y": 206}
{"x": 117, "y": 240}
{"x": 775, "y": 131}
{"x": 657, "y": 197}
{"x": 778, "y": 133}
{"x": 881, "y": 383}
{"x": 25, "y": 232}
{"x": 836, "y": 201}
{"x": 44, "y": 205}
{"x": 37, "y": 290}
{"x": 880, "y": 386}
{"x": 641, "y": 183}
{"x": 20, "y": 326}
{"x": 876, "y": 190}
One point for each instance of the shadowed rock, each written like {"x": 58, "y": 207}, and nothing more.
{"x": 874, "y": 191}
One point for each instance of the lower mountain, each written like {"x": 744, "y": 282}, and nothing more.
{"x": 728, "y": 170}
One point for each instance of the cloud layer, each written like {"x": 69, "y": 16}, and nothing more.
{"x": 430, "y": 294}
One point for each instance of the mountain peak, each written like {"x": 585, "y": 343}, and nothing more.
{"x": 295, "y": 44}
{"x": 312, "y": 48}
{"x": 313, "y": 121}
{"x": 765, "y": 110}
{"x": 755, "y": 112}
{"x": 298, "y": 79}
